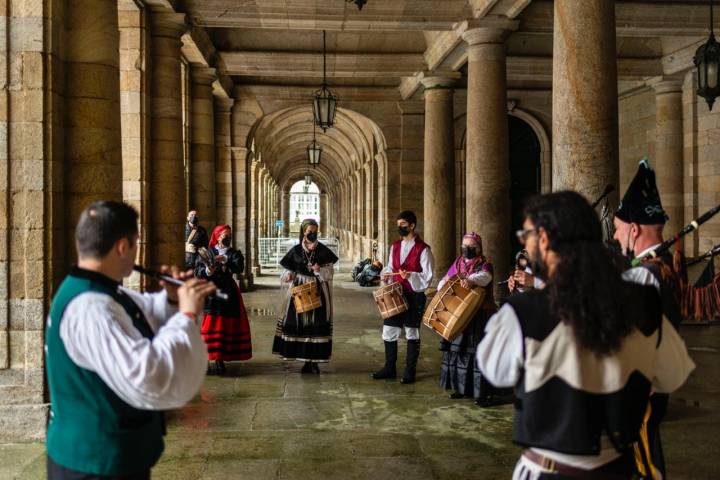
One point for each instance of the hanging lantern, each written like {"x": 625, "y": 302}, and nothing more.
{"x": 324, "y": 100}
{"x": 314, "y": 151}
{"x": 308, "y": 179}
{"x": 707, "y": 61}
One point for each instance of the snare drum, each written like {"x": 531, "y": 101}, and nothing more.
{"x": 306, "y": 297}
{"x": 390, "y": 300}
{"x": 452, "y": 308}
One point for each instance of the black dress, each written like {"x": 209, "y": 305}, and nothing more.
{"x": 307, "y": 336}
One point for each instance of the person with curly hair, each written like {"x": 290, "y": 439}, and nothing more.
{"x": 583, "y": 353}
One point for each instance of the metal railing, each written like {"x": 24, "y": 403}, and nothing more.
{"x": 272, "y": 250}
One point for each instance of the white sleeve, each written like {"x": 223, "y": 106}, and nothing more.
{"x": 672, "y": 362}
{"x": 156, "y": 307}
{"x": 389, "y": 267}
{"x": 641, "y": 276}
{"x": 326, "y": 273}
{"x": 500, "y": 353}
{"x": 481, "y": 279}
{"x": 158, "y": 374}
{"x": 442, "y": 282}
{"x": 420, "y": 281}
{"x": 538, "y": 284}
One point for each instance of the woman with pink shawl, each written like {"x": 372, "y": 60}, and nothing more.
{"x": 458, "y": 372}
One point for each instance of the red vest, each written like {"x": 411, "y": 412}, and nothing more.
{"x": 411, "y": 263}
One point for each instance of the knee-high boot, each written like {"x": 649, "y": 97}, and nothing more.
{"x": 388, "y": 371}
{"x": 411, "y": 359}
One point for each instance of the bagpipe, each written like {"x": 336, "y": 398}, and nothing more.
{"x": 697, "y": 304}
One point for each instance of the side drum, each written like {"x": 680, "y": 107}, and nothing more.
{"x": 306, "y": 297}
{"x": 390, "y": 300}
{"x": 452, "y": 308}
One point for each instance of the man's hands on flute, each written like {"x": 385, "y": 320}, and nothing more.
{"x": 191, "y": 295}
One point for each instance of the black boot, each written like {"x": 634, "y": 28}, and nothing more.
{"x": 388, "y": 371}
{"x": 411, "y": 359}
{"x": 307, "y": 368}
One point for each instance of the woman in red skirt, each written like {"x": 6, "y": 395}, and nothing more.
{"x": 225, "y": 326}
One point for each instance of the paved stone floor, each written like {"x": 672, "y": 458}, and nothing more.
{"x": 266, "y": 421}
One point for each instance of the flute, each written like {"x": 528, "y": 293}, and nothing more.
{"x": 167, "y": 278}
{"x": 690, "y": 227}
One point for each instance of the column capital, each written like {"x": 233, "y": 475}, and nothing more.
{"x": 203, "y": 75}
{"x": 167, "y": 24}
{"x": 490, "y": 29}
{"x": 223, "y": 104}
{"x": 411, "y": 107}
{"x": 431, "y": 80}
{"x": 665, "y": 84}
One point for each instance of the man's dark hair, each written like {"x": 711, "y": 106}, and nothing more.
{"x": 408, "y": 216}
{"x": 101, "y": 225}
{"x": 586, "y": 289}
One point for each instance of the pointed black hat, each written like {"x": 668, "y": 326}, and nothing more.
{"x": 641, "y": 203}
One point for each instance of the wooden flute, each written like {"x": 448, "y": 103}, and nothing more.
{"x": 167, "y": 278}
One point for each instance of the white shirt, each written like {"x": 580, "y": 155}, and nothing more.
{"x": 480, "y": 279}
{"x": 500, "y": 358}
{"x": 419, "y": 281}
{"x": 158, "y": 374}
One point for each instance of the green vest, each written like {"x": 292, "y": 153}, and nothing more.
{"x": 91, "y": 429}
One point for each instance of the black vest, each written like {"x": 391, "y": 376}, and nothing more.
{"x": 669, "y": 293}
{"x": 557, "y": 416}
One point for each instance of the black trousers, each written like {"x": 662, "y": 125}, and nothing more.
{"x": 413, "y": 316}
{"x": 58, "y": 472}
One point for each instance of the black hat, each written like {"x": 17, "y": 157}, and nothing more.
{"x": 641, "y": 203}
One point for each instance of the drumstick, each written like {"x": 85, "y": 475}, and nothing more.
{"x": 167, "y": 278}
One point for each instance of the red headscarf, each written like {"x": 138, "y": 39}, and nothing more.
{"x": 216, "y": 233}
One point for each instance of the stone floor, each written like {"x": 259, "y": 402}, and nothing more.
{"x": 264, "y": 420}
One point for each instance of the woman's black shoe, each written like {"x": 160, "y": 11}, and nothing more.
{"x": 307, "y": 368}
{"x": 484, "y": 402}
{"x": 220, "y": 366}
{"x": 456, "y": 395}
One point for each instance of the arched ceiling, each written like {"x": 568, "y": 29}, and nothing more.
{"x": 282, "y": 138}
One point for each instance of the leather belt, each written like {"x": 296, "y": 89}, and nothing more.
{"x": 605, "y": 472}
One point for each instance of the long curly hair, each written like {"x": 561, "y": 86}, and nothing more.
{"x": 586, "y": 289}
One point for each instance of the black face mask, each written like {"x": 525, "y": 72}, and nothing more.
{"x": 193, "y": 221}
{"x": 469, "y": 252}
{"x": 403, "y": 231}
{"x": 225, "y": 242}
{"x": 312, "y": 236}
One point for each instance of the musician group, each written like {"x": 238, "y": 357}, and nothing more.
{"x": 590, "y": 348}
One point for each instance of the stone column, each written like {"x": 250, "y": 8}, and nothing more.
{"x": 285, "y": 209}
{"x": 487, "y": 164}
{"x": 325, "y": 231}
{"x": 439, "y": 173}
{"x": 585, "y": 134}
{"x": 224, "y": 193}
{"x": 668, "y": 162}
{"x": 254, "y": 212}
{"x": 92, "y": 111}
{"x": 202, "y": 166}
{"x": 166, "y": 147}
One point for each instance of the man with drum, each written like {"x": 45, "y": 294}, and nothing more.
{"x": 410, "y": 264}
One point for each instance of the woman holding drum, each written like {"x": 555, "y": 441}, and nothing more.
{"x": 305, "y": 332}
{"x": 458, "y": 372}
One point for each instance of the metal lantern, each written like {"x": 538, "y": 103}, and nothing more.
{"x": 314, "y": 151}
{"x": 707, "y": 61}
{"x": 324, "y": 100}
{"x": 308, "y": 179}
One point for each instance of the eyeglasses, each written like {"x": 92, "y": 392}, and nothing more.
{"x": 523, "y": 234}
